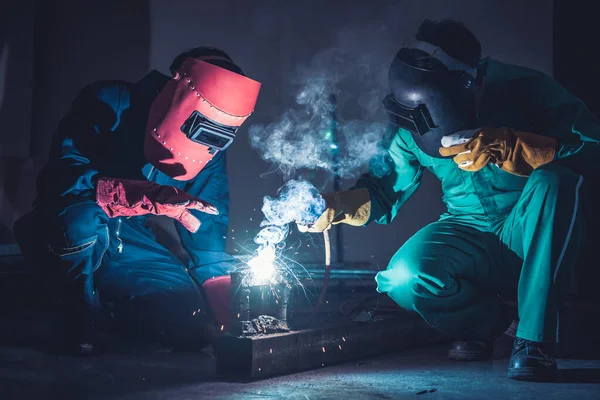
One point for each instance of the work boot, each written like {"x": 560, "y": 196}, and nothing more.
{"x": 511, "y": 331}
{"x": 483, "y": 350}
{"x": 471, "y": 350}
{"x": 88, "y": 344}
{"x": 532, "y": 361}
{"x": 76, "y": 338}
{"x": 80, "y": 330}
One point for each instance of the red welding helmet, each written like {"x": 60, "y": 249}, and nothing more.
{"x": 197, "y": 115}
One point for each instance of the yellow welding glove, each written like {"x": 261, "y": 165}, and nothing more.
{"x": 518, "y": 153}
{"x": 351, "y": 207}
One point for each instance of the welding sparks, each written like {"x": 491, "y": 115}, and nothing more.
{"x": 297, "y": 201}
{"x": 262, "y": 266}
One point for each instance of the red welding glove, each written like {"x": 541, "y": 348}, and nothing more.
{"x": 128, "y": 198}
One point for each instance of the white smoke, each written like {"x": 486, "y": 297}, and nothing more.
{"x": 293, "y": 142}
{"x": 296, "y": 201}
{"x": 334, "y": 124}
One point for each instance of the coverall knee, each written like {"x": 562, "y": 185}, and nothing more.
{"x": 452, "y": 271}
{"x": 66, "y": 247}
{"x": 100, "y": 264}
{"x": 448, "y": 274}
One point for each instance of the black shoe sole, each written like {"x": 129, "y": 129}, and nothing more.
{"x": 532, "y": 374}
{"x": 468, "y": 356}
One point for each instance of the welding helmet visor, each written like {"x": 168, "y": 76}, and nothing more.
{"x": 432, "y": 95}
{"x": 196, "y": 115}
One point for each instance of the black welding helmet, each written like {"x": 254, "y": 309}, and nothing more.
{"x": 432, "y": 94}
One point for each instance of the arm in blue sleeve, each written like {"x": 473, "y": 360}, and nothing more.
{"x": 392, "y": 189}
{"x": 72, "y": 166}
{"x": 206, "y": 247}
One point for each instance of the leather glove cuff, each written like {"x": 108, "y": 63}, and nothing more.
{"x": 351, "y": 207}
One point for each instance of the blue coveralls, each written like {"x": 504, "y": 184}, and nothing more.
{"x": 117, "y": 264}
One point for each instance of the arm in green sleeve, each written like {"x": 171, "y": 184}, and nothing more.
{"x": 580, "y": 132}
{"x": 390, "y": 191}
{"x": 567, "y": 119}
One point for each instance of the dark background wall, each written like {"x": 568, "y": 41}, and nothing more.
{"x": 57, "y": 47}
{"x": 16, "y": 86}
{"x": 576, "y": 62}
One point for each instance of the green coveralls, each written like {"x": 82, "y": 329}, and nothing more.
{"x": 502, "y": 233}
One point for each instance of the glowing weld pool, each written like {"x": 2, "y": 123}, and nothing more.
{"x": 259, "y": 307}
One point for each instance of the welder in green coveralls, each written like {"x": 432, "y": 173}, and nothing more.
{"x": 497, "y": 136}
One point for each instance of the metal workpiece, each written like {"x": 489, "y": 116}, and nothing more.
{"x": 262, "y": 356}
{"x": 259, "y": 308}
{"x": 275, "y": 332}
{"x": 240, "y": 302}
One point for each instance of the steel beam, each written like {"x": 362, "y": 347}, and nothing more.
{"x": 262, "y": 356}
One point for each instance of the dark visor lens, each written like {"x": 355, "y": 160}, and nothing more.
{"x": 414, "y": 119}
{"x": 204, "y": 131}
{"x": 207, "y": 137}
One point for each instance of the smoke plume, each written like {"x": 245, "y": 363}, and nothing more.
{"x": 336, "y": 123}
{"x": 296, "y": 201}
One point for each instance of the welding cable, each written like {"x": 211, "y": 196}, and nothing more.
{"x": 354, "y": 306}
{"x": 327, "y": 253}
{"x": 319, "y": 302}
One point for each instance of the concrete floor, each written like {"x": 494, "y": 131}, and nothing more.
{"x": 136, "y": 370}
{"x": 156, "y": 373}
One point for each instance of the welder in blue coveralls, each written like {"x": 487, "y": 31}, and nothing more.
{"x": 123, "y": 152}
{"x": 505, "y": 142}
